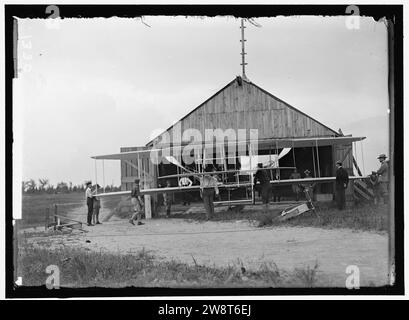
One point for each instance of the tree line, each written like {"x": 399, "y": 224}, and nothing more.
{"x": 43, "y": 186}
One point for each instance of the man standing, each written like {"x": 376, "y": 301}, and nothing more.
{"x": 96, "y": 207}
{"x": 137, "y": 203}
{"x": 295, "y": 187}
{"x": 266, "y": 188}
{"x": 307, "y": 187}
{"x": 167, "y": 199}
{"x": 208, "y": 186}
{"x": 374, "y": 184}
{"x": 89, "y": 194}
{"x": 276, "y": 191}
{"x": 341, "y": 183}
{"x": 383, "y": 180}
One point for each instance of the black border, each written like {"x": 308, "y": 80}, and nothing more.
{"x": 393, "y": 13}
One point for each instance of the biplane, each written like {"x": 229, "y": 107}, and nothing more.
{"x": 234, "y": 165}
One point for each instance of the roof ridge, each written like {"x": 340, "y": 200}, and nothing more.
{"x": 239, "y": 79}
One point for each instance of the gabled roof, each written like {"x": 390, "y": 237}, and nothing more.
{"x": 291, "y": 107}
{"x": 239, "y": 79}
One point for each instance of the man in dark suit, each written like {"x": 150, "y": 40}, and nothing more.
{"x": 266, "y": 188}
{"x": 341, "y": 183}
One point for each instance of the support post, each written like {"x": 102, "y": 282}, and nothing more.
{"x": 47, "y": 218}
{"x": 55, "y": 216}
{"x": 147, "y": 198}
{"x": 243, "y": 53}
{"x": 318, "y": 159}
{"x": 356, "y": 166}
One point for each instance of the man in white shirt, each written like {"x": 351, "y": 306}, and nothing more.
{"x": 90, "y": 202}
{"x": 208, "y": 187}
{"x": 138, "y": 204}
{"x": 185, "y": 182}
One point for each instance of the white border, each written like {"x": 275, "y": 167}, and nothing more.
{"x": 249, "y": 298}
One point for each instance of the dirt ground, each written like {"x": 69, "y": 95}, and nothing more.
{"x": 224, "y": 243}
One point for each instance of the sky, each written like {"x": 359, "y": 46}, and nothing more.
{"x": 90, "y": 86}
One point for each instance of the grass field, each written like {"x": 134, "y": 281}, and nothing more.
{"x": 80, "y": 268}
{"x": 34, "y": 206}
{"x": 368, "y": 217}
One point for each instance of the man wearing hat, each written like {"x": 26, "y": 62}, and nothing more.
{"x": 383, "y": 174}
{"x": 307, "y": 187}
{"x": 96, "y": 206}
{"x": 89, "y": 194}
{"x": 167, "y": 199}
{"x": 208, "y": 188}
{"x": 307, "y": 173}
{"x": 137, "y": 202}
{"x": 341, "y": 183}
{"x": 295, "y": 187}
{"x": 266, "y": 188}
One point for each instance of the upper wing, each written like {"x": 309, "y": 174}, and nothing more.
{"x": 272, "y": 143}
{"x": 312, "y": 180}
{"x": 241, "y": 172}
{"x": 116, "y": 193}
{"x": 172, "y": 189}
{"x": 232, "y": 185}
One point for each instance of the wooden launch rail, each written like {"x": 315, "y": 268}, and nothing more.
{"x": 59, "y": 222}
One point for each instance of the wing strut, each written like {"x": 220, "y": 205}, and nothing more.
{"x": 313, "y": 161}
{"x": 103, "y": 174}
{"x": 251, "y": 175}
{"x": 318, "y": 159}
{"x": 96, "y": 175}
{"x": 362, "y": 153}
{"x": 279, "y": 175}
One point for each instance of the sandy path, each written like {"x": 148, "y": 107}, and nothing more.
{"x": 223, "y": 243}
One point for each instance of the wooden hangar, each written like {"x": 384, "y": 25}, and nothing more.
{"x": 259, "y": 126}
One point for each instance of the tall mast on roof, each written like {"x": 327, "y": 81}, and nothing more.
{"x": 243, "y": 53}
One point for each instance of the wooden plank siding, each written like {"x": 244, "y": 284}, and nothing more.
{"x": 250, "y": 107}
